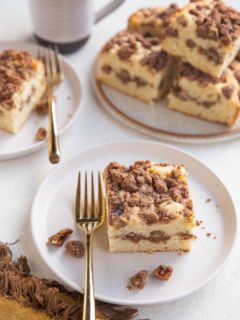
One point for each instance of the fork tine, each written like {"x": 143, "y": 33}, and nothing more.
{"x": 92, "y": 197}
{"x": 78, "y": 198}
{"x": 100, "y": 197}
{"x": 85, "y": 209}
{"x": 58, "y": 62}
{"x": 53, "y": 61}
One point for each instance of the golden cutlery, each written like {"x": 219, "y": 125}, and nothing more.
{"x": 54, "y": 77}
{"x": 89, "y": 215}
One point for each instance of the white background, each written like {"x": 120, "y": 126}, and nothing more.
{"x": 20, "y": 178}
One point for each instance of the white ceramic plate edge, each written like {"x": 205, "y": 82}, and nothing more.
{"x": 123, "y": 302}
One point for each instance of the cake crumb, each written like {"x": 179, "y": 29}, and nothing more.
{"x": 41, "y": 134}
{"x": 163, "y": 272}
{"x": 138, "y": 280}
{"x": 59, "y": 238}
{"x": 198, "y": 222}
{"x": 75, "y": 248}
{"x": 214, "y": 237}
{"x": 207, "y": 200}
{"x": 209, "y": 234}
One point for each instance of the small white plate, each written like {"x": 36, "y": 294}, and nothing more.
{"x": 53, "y": 210}
{"x": 159, "y": 121}
{"x": 68, "y": 106}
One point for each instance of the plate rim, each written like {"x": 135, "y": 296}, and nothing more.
{"x": 107, "y": 103}
{"x": 79, "y": 106}
{"x": 124, "y": 302}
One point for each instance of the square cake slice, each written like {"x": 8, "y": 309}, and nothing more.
{"x": 202, "y": 96}
{"x": 148, "y": 208}
{"x": 136, "y": 66}
{"x": 150, "y": 22}
{"x": 206, "y": 34}
{"x": 22, "y": 85}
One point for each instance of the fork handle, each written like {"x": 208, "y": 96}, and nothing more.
{"x": 89, "y": 299}
{"x": 53, "y": 141}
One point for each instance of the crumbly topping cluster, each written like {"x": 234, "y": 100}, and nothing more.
{"x": 138, "y": 280}
{"x": 154, "y": 16}
{"x": 220, "y": 23}
{"x": 134, "y": 186}
{"x": 15, "y": 67}
{"x": 75, "y": 248}
{"x": 163, "y": 272}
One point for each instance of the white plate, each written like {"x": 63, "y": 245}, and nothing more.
{"x": 53, "y": 210}
{"x": 68, "y": 105}
{"x": 159, "y": 121}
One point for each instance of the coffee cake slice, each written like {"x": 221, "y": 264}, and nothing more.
{"x": 150, "y": 22}
{"x": 22, "y": 85}
{"x": 204, "y": 33}
{"x": 136, "y": 66}
{"x": 202, "y": 96}
{"x": 148, "y": 208}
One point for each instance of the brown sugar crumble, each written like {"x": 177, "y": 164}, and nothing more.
{"x": 75, "y": 248}
{"x": 163, "y": 272}
{"x": 41, "y": 134}
{"x": 198, "y": 222}
{"x": 59, "y": 238}
{"x": 208, "y": 200}
{"x": 138, "y": 280}
{"x": 209, "y": 234}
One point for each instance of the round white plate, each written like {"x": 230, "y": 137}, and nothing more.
{"x": 53, "y": 210}
{"x": 68, "y": 105}
{"x": 159, "y": 121}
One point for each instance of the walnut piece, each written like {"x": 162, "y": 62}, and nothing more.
{"x": 163, "y": 272}
{"x": 75, "y": 248}
{"x": 59, "y": 238}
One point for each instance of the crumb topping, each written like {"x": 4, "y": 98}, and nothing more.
{"x": 163, "y": 272}
{"x": 220, "y": 23}
{"x": 41, "y": 134}
{"x": 75, "y": 248}
{"x": 138, "y": 280}
{"x": 153, "y": 17}
{"x": 137, "y": 187}
{"x": 15, "y": 68}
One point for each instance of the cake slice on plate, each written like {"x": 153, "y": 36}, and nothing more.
{"x": 148, "y": 207}
{"x": 136, "y": 66}
{"x": 204, "y": 33}
{"x": 150, "y": 22}
{"x": 22, "y": 85}
{"x": 202, "y": 96}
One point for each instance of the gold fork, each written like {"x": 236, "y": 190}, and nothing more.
{"x": 89, "y": 215}
{"x": 54, "y": 77}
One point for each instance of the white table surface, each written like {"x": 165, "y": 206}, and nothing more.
{"x": 20, "y": 178}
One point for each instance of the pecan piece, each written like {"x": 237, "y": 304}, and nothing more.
{"x": 59, "y": 238}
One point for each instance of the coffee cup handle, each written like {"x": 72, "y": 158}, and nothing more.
{"x": 110, "y": 7}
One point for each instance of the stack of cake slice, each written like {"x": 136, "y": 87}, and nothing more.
{"x": 206, "y": 35}
{"x": 200, "y": 44}
{"x": 133, "y": 61}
